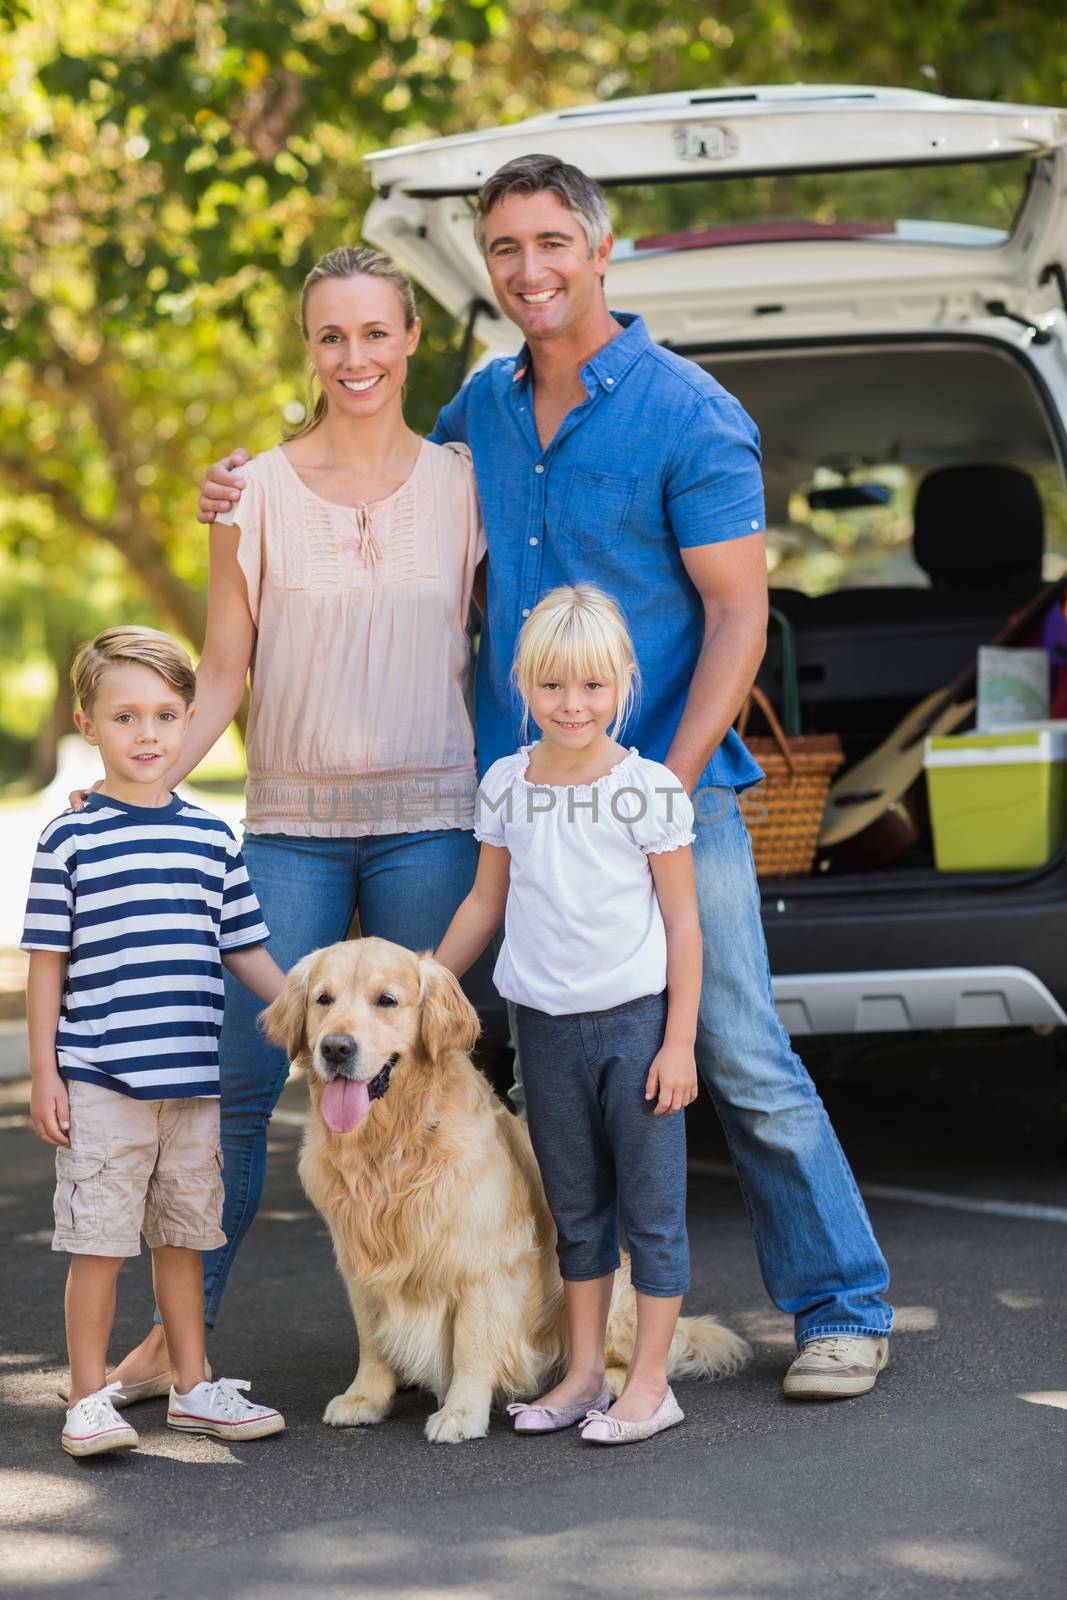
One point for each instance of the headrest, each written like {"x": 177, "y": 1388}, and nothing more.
{"x": 976, "y": 525}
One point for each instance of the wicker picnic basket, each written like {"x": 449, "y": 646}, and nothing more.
{"x": 785, "y": 814}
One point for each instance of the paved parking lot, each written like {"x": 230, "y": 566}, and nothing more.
{"x": 947, "y": 1481}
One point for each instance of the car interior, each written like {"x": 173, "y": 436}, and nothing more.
{"x": 927, "y": 456}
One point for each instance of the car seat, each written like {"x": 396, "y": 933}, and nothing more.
{"x": 978, "y": 534}
{"x": 865, "y": 656}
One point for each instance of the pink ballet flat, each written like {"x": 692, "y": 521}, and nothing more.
{"x": 549, "y": 1419}
{"x": 600, "y": 1429}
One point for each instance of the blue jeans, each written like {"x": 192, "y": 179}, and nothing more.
{"x": 817, "y": 1252}
{"x": 599, "y": 1143}
{"x": 406, "y": 887}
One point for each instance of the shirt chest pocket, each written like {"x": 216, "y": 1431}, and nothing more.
{"x": 595, "y": 507}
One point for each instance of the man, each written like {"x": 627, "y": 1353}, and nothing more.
{"x": 601, "y": 456}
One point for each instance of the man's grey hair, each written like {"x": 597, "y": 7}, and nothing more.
{"x": 540, "y": 174}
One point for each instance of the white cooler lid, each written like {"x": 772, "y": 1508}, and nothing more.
{"x": 1021, "y": 745}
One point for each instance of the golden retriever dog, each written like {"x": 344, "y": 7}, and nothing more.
{"x": 433, "y": 1198}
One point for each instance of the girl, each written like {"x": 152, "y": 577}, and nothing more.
{"x": 344, "y": 579}
{"x": 585, "y": 856}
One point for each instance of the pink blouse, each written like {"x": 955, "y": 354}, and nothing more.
{"x": 360, "y": 717}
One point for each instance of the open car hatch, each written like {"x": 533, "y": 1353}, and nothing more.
{"x": 769, "y": 212}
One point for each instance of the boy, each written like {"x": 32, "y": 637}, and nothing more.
{"x": 134, "y": 902}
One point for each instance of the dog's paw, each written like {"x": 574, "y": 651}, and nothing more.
{"x": 353, "y": 1411}
{"x": 453, "y": 1426}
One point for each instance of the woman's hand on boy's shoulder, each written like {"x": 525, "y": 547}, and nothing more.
{"x": 222, "y": 485}
{"x": 77, "y": 797}
{"x": 672, "y": 1079}
{"x": 50, "y": 1108}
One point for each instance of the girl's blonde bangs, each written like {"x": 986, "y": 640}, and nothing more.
{"x": 568, "y": 651}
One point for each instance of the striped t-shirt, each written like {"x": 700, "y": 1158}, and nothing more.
{"x": 143, "y": 898}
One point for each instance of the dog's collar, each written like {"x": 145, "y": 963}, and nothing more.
{"x": 378, "y": 1085}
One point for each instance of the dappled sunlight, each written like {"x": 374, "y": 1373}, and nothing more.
{"x": 950, "y": 1558}
{"x": 1046, "y": 1397}
{"x": 678, "y": 1555}
{"x": 915, "y": 1319}
{"x": 167, "y": 1444}
{"x": 28, "y": 1391}
{"x": 284, "y": 1216}
{"x": 33, "y": 1561}
{"x": 38, "y": 1496}
{"x": 775, "y": 1328}
{"x": 765, "y": 1327}
{"x": 1019, "y": 1300}
{"x": 647, "y": 1554}
{"x": 22, "y": 1358}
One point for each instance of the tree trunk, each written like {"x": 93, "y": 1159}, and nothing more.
{"x": 44, "y": 758}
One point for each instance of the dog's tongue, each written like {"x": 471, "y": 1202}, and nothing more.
{"x": 344, "y": 1104}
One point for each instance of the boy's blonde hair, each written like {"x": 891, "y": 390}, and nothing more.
{"x": 143, "y": 647}
{"x": 578, "y": 633}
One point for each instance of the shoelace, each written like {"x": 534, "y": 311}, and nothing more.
{"x": 833, "y": 1348}
{"x": 224, "y": 1392}
{"x": 97, "y": 1407}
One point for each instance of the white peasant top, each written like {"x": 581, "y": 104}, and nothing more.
{"x": 360, "y": 715}
{"x": 583, "y": 929}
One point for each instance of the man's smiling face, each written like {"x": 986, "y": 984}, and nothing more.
{"x": 545, "y": 277}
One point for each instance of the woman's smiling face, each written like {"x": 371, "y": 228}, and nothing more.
{"x": 358, "y": 343}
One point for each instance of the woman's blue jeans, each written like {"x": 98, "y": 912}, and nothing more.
{"x": 405, "y": 886}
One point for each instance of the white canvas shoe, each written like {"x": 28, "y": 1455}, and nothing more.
{"x": 835, "y": 1367}
{"x": 217, "y": 1408}
{"x": 93, "y": 1426}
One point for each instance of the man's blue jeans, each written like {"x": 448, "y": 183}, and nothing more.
{"x": 817, "y": 1251}
{"x": 406, "y": 887}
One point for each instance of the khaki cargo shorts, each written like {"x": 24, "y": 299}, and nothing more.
{"x": 151, "y": 1166}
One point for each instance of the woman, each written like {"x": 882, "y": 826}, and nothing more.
{"x": 344, "y": 580}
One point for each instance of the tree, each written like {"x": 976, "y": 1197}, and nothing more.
{"x": 172, "y": 168}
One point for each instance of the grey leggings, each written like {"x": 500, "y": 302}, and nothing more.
{"x": 599, "y": 1145}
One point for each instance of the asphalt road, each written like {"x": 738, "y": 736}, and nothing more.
{"x": 948, "y": 1480}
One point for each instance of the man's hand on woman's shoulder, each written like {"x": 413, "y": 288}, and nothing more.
{"x": 222, "y": 485}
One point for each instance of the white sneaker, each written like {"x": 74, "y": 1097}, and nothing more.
{"x": 218, "y": 1409}
{"x": 93, "y": 1426}
{"x": 835, "y": 1368}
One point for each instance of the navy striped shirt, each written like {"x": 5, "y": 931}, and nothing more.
{"x": 143, "y": 899}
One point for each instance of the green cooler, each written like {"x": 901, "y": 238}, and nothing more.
{"x": 998, "y": 801}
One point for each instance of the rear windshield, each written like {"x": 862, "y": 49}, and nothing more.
{"x": 972, "y": 205}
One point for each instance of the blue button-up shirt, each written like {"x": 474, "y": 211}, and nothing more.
{"x": 658, "y": 459}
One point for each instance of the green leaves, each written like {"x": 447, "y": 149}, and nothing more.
{"x": 170, "y": 170}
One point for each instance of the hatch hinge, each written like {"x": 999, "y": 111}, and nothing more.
{"x": 1054, "y": 273}
{"x": 476, "y": 309}
{"x": 997, "y": 308}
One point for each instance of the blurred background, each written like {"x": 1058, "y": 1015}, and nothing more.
{"x": 170, "y": 169}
